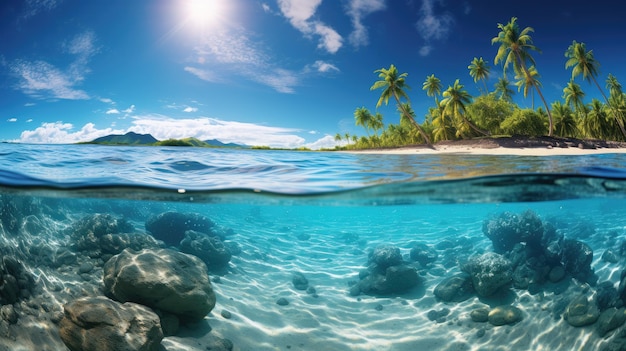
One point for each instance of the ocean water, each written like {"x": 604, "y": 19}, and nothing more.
{"x": 324, "y": 216}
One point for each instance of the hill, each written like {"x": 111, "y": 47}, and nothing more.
{"x": 130, "y": 138}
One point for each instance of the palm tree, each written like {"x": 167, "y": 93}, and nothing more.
{"x": 574, "y": 96}
{"x": 528, "y": 79}
{"x": 614, "y": 86}
{"x": 583, "y": 63}
{"x": 564, "y": 121}
{"x": 503, "y": 89}
{"x": 514, "y": 49}
{"x": 376, "y": 122}
{"x": 454, "y": 102}
{"x": 479, "y": 70}
{"x": 432, "y": 85}
{"x": 393, "y": 85}
{"x": 595, "y": 124}
{"x": 363, "y": 118}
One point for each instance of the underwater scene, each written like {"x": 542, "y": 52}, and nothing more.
{"x": 148, "y": 248}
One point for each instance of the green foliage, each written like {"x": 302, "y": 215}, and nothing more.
{"x": 488, "y": 112}
{"x": 173, "y": 142}
{"x": 524, "y": 122}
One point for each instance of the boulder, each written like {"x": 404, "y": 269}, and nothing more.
{"x": 163, "y": 279}
{"x": 209, "y": 249}
{"x": 508, "y": 229}
{"x": 423, "y": 254}
{"x": 98, "y": 323}
{"x": 610, "y": 319}
{"x": 489, "y": 271}
{"x": 16, "y": 282}
{"x": 170, "y": 227}
{"x": 397, "y": 279}
{"x": 576, "y": 258}
{"x": 455, "y": 289}
{"x": 503, "y": 315}
{"x": 385, "y": 256}
{"x": 86, "y": 232}
{"x": 580, "y": 312}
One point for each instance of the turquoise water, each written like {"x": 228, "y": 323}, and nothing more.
{"x": 320, "y": 215}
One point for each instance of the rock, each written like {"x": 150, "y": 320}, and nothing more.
{"x": 226, "y": 314}
{"x": 299, "y": 281}
{"x": 455, "y": 289}
{"x": 489, "y": 271}
{"x": 606, "y": 295}
{"x": 397, "y": 279}
{"x": 164, "y": 279}
{"x": 480, "y": 315}
{"x": 209, "y": 249}
{"x": 16, "y": 282}
{"x": 282, "y": 302}
{"x": 8, "y": 313}
{"x": 610, "y": 319}
{"x": 423, "y": 254}
{"x": 115, "y": 243}
{"x": 98, "y": 323}
{"x": 557, "y": 273}
{"x": 438, "y": 316}
{"x": 580, "y": 312}
{"x": 85, "y": 267}
{"x": 86, "y": 232}
{"x": 385, "y": 256}
{"x": 610, "y": 256}
{"x": 508, "y": 229}
{"x": 577, "y": 257}
{"x": 170, "y": 227}
{"x": 503, "y": 315}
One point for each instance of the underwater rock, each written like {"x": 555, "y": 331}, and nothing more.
{"x": 209, "y": 249}
{"x": 438, "y": 316}
{"x": 385, "y": 256}
{"x": 580, "y": 312}
{"x": 8, "y": 313}
{"x": 86, "y": 232}
{"x": 480, "y": 315}
{"x": 609, "y": 256}
{"x": 489, "y": 271}
{"x": 503, "y": 315}
{"x": 577, "y": 258}
{"x": 13, "y": 210}
{"x": 508, "y": 229}
{"x": 170, "y": 227}
{"x": 396, "y": 279}
{"x": 164, "y": 279}
{"x": 282, "y": 302}
{"x": 455, "y": 289}
{"x": 606, "y": 296}
{"x": 423, "y": 254}
{"x": 98, "y": 323}
{"x": 16, "y": 282}
{"x": 557, "y": 273}
{"x": 113, "y": 244}
{"x": 610, "y": 319}
{"x": 299, "y": 281}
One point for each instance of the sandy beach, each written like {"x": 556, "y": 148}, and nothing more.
{"x": 520, "y": 146}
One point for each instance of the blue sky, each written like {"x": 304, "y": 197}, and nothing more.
{"x": 283, "y": 73}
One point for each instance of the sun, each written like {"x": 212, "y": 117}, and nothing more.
{"x": 204, "y": 12}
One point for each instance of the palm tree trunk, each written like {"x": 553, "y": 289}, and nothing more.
{"x": 618, "y": 120}
{"x": 550, "y": 122}
{"x": 407, "y": 114}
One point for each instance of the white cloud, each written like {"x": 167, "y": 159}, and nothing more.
{"x": 202, "y": 74}
{"x": 107, "y": 101}
{"x": 130, "y": 109}
{"x": 12, "y": 120}
{"x": 425, "y": 50}
{"x": 326, "y": 142}
{"x": 204, "y": 128}
{"x": 112, "y": 111}
{"x": 29, "y": 104}
{"x": 42, "y": 80}
{"x": 299, "y": 13}
{"x": 29, "y": 120}
{"x": 34, "y": 7}
{"x": 357, "y": 10}
{"x": 431, "y": 26}
{"x": 62, "y": 133}
{"x": 324, "y": 67}
{"x": 190, "y": 109}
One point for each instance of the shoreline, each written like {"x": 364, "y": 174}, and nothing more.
{"x": 508, "y": 146}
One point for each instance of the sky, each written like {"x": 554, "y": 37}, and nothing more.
{"x": 279, "y": 73}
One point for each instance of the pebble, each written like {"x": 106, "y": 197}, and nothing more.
{"x": 226, "y": 314}
{"x": 282, "y": 302}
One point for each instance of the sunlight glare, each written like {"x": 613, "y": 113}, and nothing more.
{"x": 203, "y": 12}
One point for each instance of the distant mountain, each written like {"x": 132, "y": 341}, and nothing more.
{"x": 130, "y": 138}
{"x": 215, "y": 142}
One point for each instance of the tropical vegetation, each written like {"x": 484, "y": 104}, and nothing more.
{"x": 456, "y": 114}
